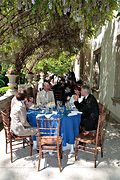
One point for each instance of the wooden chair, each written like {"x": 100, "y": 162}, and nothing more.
{"x": 58, "y": 94}
{"x": 101, "y": 108}
{"x": 13, "y": 139}
{"x": 49, "y": 138}
{"x": 86, "y": 139}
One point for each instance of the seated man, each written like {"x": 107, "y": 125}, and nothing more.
{"x": 46, "y": 96}
{"x": 90, "y": 109}
{"x": 19, "y": 124}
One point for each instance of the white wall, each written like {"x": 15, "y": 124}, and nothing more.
{"x": 107, "y": 41}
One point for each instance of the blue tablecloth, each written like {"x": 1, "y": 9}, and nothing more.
{"x": 69, "y": 126}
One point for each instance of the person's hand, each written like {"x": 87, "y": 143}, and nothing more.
{"x": 68, "y": 98}
{"x": 75, "y": 97}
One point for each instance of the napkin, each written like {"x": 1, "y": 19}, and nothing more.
{"x": 80, "y": 99}
{"x": 54, "y": 112}
{"x": 42, "y": 115}
{"x": 48, "y": 115}
{"x": 73, "y": 113}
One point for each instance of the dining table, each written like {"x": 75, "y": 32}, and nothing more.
{"x": 69, "y": 123}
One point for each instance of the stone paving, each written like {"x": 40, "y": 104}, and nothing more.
{"x": 24, "y": 167}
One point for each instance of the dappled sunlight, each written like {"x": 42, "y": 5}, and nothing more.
{"x": 83, "y": 168}
{"x": 106, "y": 40}
{"x": 25, "y": 166}
{"x": 107, "y": 67}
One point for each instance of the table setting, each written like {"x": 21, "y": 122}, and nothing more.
{"x": 69, "y": 122}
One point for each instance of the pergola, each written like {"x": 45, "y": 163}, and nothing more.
{"x": 52, "y": 26}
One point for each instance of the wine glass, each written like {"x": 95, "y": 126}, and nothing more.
{"x": 59, "y": 103}
{"x": 62, "y": 109}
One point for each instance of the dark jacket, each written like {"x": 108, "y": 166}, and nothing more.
{"x": 90, "y": 110}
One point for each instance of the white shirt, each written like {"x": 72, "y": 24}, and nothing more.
{"x": 86, "y": 96}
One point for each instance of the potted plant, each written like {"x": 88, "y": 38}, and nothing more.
{"x": 11, "y": 71}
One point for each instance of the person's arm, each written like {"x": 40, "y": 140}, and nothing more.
{"x": 76, "y": 103}
{"x": 52, "y": 99}
{"x": 23, "y": 117}
{"x": 83, "y": 107}
{"x": 71, "y": 101}
{"x": 79, "y": 106}
{"x": 38, "y": 99}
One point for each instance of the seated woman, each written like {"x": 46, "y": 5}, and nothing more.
{"x": 46, "y": 96}
{"x": 19, "y": 124}
{"x": 29, "y": 102}
{"x": 77, "y": 91}
{"x": 14, "y": 99}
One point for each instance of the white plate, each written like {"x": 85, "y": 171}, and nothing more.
{"x": 33, "y": 108}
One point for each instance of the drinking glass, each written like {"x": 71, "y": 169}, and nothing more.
{"x": 62, "y": 109}
{"x": 59, "y": 103}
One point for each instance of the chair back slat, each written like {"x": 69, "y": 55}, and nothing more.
{"x": 49, "y": 139}
{"x": 58, "y": 95}
{"x": 11, "y": 137}
{"x": 48, "y": 127}
{"x": 92, "y": 142}
{"x": 100, "y": 128}
{"x": 6, "y": 120}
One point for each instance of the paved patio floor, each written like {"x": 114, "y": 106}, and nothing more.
{"x": 24, "y": 167}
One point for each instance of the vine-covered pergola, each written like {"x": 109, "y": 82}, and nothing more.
{"x": 47, "y": 27}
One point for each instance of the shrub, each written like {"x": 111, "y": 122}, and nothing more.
{"x": 3, "y": 90}
{"x": 22, "y": 79}
{"x": 3, "y": 80}
{"x": 2, "y": 83}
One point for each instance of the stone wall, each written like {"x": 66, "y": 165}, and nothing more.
{"x": 4, "y": 100}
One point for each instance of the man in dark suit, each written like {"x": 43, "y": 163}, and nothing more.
{"x": 90, "y": 109}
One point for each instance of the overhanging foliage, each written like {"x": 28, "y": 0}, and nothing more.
{"x": 27, "y": 25}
